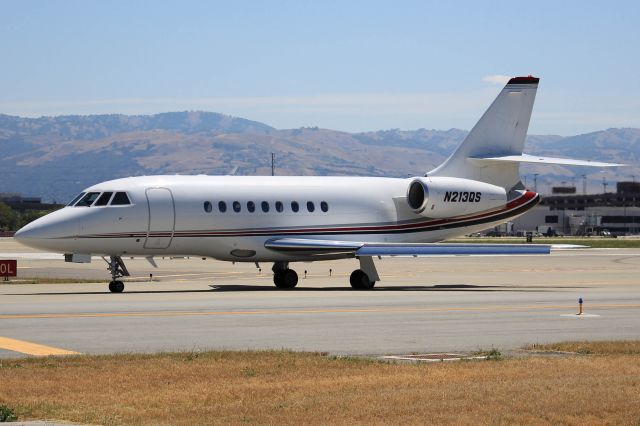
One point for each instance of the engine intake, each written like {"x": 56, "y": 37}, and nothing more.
{"x": 417, "y": 196}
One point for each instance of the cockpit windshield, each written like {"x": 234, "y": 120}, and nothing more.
{"x": 88, "y": 199}
{"x": 75, "y": 200}
{"x": 104, "y": 199}
{"x": 100, "y": 199}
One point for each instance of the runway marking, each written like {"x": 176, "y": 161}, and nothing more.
{"x": 306, "y": 311}
{"x": 29, "y": 348}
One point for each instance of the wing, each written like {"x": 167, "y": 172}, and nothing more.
{"x": 325, "y": 247}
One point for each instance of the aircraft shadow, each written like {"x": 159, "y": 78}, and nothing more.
{"x": 223, "y": 288}
{"x": 220, "y": 288}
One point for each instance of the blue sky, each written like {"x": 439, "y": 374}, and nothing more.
{"x": 343, "y": 65}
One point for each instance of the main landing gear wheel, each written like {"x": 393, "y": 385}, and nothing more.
{"x": 286, "y": 278}
{"x": 360, "y": 280}
{"x": 116, "y": 286}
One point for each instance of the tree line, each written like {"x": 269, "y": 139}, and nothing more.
{"x": 12, "y": 220}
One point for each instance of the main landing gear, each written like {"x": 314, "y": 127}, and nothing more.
{"x": 361, "y": 279}
{"x": 117, "y": 269}
{"x": 365, "y": 277}
{"x": 283, "y": 277}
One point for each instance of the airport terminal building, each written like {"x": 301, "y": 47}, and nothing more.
{"x": 567, "y": 213}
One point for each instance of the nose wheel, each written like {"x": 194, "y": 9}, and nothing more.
{"x": 117, "y": 269}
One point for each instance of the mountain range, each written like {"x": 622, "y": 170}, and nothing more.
{"x": 56, "y": 157}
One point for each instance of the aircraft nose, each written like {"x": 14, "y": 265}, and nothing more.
{"x": 30, "y": 233}
{"x": 45, "y": 232}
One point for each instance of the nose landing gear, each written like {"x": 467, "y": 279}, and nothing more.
{"x": 117, "y": 269}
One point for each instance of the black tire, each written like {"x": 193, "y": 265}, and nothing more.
{"x": 285, "y": 279}
{"x": 278, "y": 278}
{"x": 116, "y": 286}
{"x": 290, "y": 278}
{"x": 359, "y": 280}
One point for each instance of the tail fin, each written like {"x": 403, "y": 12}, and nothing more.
{"x": 500, "y": 132}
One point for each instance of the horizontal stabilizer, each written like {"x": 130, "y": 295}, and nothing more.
{"x": 311, "y": 246}
{"x": 526, "y": 158}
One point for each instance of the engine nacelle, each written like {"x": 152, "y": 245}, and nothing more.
{"x": 441, "y": 197}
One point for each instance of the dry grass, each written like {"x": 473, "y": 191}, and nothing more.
{"x": 613, "y": 347}
{"x": 281, "y": 387}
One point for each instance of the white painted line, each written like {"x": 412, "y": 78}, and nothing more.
{"x": 579, "y": 316}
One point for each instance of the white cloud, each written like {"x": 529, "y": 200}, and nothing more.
{"x": 496, "y": 79}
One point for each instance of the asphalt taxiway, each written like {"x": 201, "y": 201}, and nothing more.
{"x": 421, "y": 305}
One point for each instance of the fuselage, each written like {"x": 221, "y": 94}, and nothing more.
{"x": 231, "y": 217}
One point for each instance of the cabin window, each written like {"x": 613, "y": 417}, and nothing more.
{"x": 279, "y": 206}
{"x": 251, "y": 206}
{"x": 207, "y": 206}
{"x": 324, "y": 206}
{"x": 222, "y": 206}
{"x": 295, "y": 206}
{"x": 310, "y": 206}
{"x": 265, "y": 206}
{"x": 88, "y": 199}
{"x": 75, "y": 200}
{"x": 236, "y": 206}
{"x": 120, "y": 199}
{"x": 104, "y": 199}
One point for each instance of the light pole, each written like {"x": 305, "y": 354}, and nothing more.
{"x": 273, "y": 165}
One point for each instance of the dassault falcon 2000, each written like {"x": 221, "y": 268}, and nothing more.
{"x": 290, "y": 219}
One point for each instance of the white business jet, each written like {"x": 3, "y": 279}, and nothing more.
{"x": 290, "y": 218}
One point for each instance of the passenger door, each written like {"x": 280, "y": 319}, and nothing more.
{"x": 162, "y": 218}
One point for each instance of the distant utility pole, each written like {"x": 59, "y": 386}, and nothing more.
{"x": 273, "y": 165}
{"x": 633, "y": 178}
{"x": 604, "y": 184}
{"x": 535, "y": 182}
{"x": 584, "y": 184}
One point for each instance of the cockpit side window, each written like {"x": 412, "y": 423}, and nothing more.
{"x": 75, "y": 200}
{"x": 88, "y": 199}
{"x": 104, "y": 199}
{"x": 120, "y": 199}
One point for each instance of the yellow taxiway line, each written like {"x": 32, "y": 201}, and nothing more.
{"x": 309, "y": 311}
{"x": 29, "y": 348}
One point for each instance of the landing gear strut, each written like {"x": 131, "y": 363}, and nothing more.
{"x": 283, "y": 277}
{"x": 117, "y": 269}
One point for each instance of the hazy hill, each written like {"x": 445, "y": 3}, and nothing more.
{"x": 55, "y": 157}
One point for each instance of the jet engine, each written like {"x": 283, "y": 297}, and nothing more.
{"x": 443, "y": 197}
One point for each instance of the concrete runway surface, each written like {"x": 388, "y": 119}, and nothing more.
{"x": 421, "y": 305}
